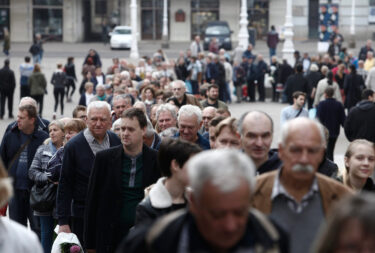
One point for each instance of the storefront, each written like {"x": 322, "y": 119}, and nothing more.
{"x": 4, "y": 17}
{"x": 152, "y": 19}
{"x": 48, "y": 19}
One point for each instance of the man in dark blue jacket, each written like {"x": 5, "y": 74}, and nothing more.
{"x": 331, "y": 114}
{"x": 79, "y": 155}
{"x": 17, "y": 150}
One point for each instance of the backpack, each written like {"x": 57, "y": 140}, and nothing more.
{"x": 34, "y": 49}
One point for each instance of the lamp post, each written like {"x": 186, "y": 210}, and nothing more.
{"x": 352, "y": 26}
{"x": 165, "y": 43}
{"x": 243, "y": 35}
{"x": 133, "y": 16}
{"x": 288, "y": 49}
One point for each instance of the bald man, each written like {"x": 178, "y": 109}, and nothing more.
{"x": 256, "y": 129}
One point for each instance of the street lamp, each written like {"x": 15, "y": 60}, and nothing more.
{"x": 165, "y": 43}
{"x": 288, "y": 49}
{"x": 133, "y": 16}
{"x": 352, "y": 26}
{"x": 243, "y": 35}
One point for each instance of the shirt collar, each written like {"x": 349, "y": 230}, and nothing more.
{"x": 91, "y": 139}
{"x": 279, "y": 190}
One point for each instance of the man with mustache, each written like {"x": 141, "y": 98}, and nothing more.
{"x": 296, "y": 196}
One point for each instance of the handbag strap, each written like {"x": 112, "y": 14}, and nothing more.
{"x": 15, "y": 157}
{"x": 299, "y": 113}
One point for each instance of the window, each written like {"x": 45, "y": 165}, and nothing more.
{"x": 48, "y": 2}
{"x": 101, "y": 7}
{"x": 203, "y": 11}
{"x": 47, "y": 18}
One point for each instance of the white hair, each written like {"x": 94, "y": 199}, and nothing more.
{"x": 116, "y": 123}
{"x": 285, "y": 129}
{"x": 190, "y": 110}
{"x": 167, "y": 108}
{"x": 125, "y": 74}
{"x": 150, "y": 129}
{"x": 98, "y": 105}
{"x": 100, "y": 86}
{"x": 28, "y": 100}
{"x": 230, "y": 168}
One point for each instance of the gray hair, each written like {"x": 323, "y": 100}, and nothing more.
{"x": 166, "y": 108}
{"x": 116, "y": 123}
{"x": 29, "y": 101}
{"x": 190, "y": 110}
{"x": 230, "y": 168}
{"x": 314, "y": 67}
{"x": 100, "y": 86}
{"x": 98, "y": 105}
{"x": 169, "y": 132}
{"x": 285, "y": 128}
{"x": 182, "y": 83}
{"x": 150, "y": 129}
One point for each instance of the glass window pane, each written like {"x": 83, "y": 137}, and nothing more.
{"x": 4, "y": 2}
{"x": 209, "y": 4}
{"x": 146, "y": 3}
{"x": 48, "y": 2}
{"x": 100, "y": 7}
{"x": 48, "y": 22}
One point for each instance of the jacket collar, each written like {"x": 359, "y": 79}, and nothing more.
{"x": 159, "y": 195}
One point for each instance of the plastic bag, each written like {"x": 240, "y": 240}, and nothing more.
{"x": 64, "y": 238}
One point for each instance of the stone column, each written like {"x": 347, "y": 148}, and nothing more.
{"x": 133, "y": 15}
{"x": 243, "y": 35}
{"x": 288, "y": 49}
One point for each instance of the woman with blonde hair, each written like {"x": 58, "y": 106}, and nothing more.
{"x": 359, "y": 166}
{"x": 39, "y": 174}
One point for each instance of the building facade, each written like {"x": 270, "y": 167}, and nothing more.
{"x": 84, "y": 20}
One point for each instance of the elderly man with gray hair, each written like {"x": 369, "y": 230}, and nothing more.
{"x": 219, "y": 218}
{"x": 166, "y": 117}
{"x": 79, "y": 156}
{"x": 189, "y": 122}
{"x": 296, "y": 196}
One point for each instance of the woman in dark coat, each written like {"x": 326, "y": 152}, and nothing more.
{"x": 353, "y": 86}
{"x": 168, "y": 194}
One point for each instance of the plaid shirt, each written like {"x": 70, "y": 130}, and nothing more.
{"x": 278, "y": 190}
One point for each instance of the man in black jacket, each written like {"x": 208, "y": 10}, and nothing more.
{"x": 296, "y": 82}
{"x": 360, "y": 123}
{"x": 79, "y": 155}
{"x": 117, "y": 182}
{"x": 7, "y": 85}
{"x": 219, "y": 218}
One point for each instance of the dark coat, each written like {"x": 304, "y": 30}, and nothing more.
{"x": 285, "y": 72}
{"x": 103, "y": 206}
{"x": 58, "y": 80}
{"x": 166, "y": 239}
{"x": 363, "y": 53}
{"x": 272, "y": 39}
{"x": 360, "y": 123}
{"x": 353, "y": 86}
{"x": 331, "y": 114}
{"x": 7, "y": 80}
{"x": 42, "y": 125}
{"x": 260, "y": 70}
{"x": 296, "y": 82}
{"x": 273, "y": 162}
{"x": 12, "y": 142}
{"x": 77, "y": 163}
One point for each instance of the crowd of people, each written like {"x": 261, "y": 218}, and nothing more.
{"x": 151, "y": 159}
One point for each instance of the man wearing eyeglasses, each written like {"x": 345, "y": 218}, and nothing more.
{"x": 180, "y": 97}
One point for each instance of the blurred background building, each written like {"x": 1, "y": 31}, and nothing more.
{"x": 83, "y": 20}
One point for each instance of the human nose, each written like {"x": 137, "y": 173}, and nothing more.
{"x": 230, "y": 224}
